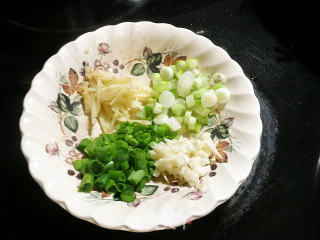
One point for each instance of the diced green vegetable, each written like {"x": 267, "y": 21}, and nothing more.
{"x": 191, "y": 63}
{"x": 178, "y": 109}
{"x": 181, "y": 65}
{"x": 198, "y": 93}
{"x": 157, "y": 108}
{"x": 127, "y": 196}
{"x": 190, "y": 100}
{"x": 166, "y": 73}
{"x": 87, "y": 183}
{"x": 100, "y": 182}
{"x": 192, "y": 123}
{"x": 84, "y": 143}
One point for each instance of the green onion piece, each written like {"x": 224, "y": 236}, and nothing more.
{"x": 127, "y": 196}
{"x": 136, "y": 177}
{"x": 105, "y": 154}
{"x": 84, "y": 143}
{"x": 100, "y": 182}
{"x": 107, "y": 167}
{"x": 121, "y": 187}
{"x": 110, "y": 186}
{"x": 140, "y": 159}
{"x": 131, "y": 140}
{"x": 150, "y": 163}
{"x": 124, "y": 165}
{"x": 117, "y": 175}
{"x": 95, "y": 167}
{"x": 181, "y": 65}
{"x": 192, "y": 63}
{"x": 199, "y": 93}
{"x": 178, "y": 109}
{"x": 217, "y": 86}
{"x": 91, "y": 148}
{"x": 86, "y": 184}
{"x": 141, "y": 184}
{"x": 77, "y": 164}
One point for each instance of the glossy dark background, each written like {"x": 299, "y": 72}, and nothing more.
{"x": 277, "y": 46}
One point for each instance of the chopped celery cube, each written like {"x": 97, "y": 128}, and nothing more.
{"x": 151, "y": 102}
{"x": 161, "y": 119}
{"x": 156, "y": 76}
{"x": 173, "y": 83}
{"x": 180, "y": 119}
{"x": 187, "y": 116}
{"x": 174, "y": 124}
{"x": 199, "y": 93}
{"x": 209, "y": 99}
{"x": 223, "y": 95}
{"x": 161, "y": 86}
{"x": 166, "y": 73}
{"x": 197, "y": 127}
{"x": 191, "y": 63}
{"x": 204, "y": 111}
{"x": 198, "y": 83}
{"x": 167, "y": 99}
{"x": 217, "y": 86}
{"x": 190, "y": 100}
{"x": 178, "y": 109}
{"x": 192, "y": 123}
{"x": 181, "y": 65}
{"x": 203, "y": 119}
{"x": 196, "y": 72}
{"x": 181, "y": 101}
{"x": 157, "y": 108}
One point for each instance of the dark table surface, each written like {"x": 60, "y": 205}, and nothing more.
{"x": 278, "y": 49}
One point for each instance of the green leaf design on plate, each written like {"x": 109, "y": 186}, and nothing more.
{"x": 138, "y": 69}
{"x": 54, "y": 107}
{"x": 220, "y": 131}
{"x": 147, "y": 52}
{"x": 151, "y": 70}
{"x": 76, "y": 111}
{"x": 212, "y": 121}
{"x": 154, "y": 59}
{"x": 227, "y": 121}
{"x": 149, "y": 73}
{"x": 71, "y": 123}
{"x": 149, "y": 190}
{"x": 63, "y": 102}
{"x": 229, "y": 148}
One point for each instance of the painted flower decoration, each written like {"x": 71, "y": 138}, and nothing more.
{"x": 73, "y": 85}
{"x": 170, "y": 60}
{"x": 52, "y": 148}
{"x": 104, "y": 48}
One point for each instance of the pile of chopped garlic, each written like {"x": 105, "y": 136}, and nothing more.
{"x": 111, "y": 99}
{"x": 187, "y": 159}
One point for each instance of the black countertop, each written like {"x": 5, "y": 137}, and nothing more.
{"x": 278, "y": 49}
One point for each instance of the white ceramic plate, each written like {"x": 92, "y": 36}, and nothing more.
{"x": 52, "y": 124}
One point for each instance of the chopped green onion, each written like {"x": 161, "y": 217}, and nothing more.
{"x": 166, "y": 73}
{"x": 136, "y": 176}
{"x": 127, "y": 196}
{"x": 192, "y": 63}
{"x": 190, "y": 100}
{"x": 87, "y": 182}
{"x": 157, "y": 108}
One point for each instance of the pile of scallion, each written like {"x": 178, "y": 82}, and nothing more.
{"x": 120, "y": 163}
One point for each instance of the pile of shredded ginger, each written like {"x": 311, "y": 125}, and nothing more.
{"x": 112, "y": 100}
